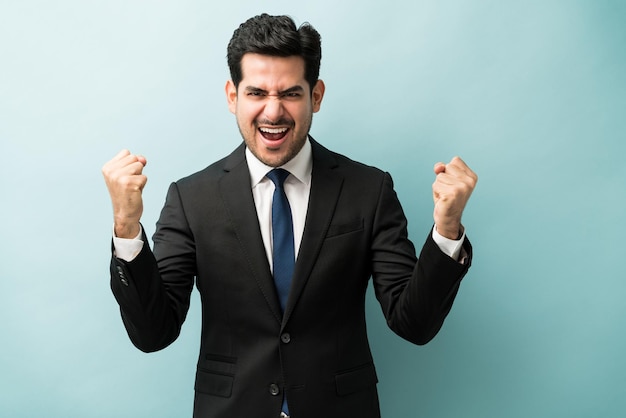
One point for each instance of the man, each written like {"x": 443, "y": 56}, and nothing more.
{"x": 282, "y": 268}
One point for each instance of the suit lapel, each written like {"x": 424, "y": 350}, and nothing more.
{"x": 326, "y": 185}
{"x": 236, "y": 193}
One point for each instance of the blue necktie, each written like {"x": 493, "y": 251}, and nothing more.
{"x": 283, "y": 254}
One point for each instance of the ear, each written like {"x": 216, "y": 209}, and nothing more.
{"x": 231, "y": 96}
{"x": 317, "y": 95}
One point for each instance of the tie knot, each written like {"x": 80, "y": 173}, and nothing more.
{"x": 278, "y": 176}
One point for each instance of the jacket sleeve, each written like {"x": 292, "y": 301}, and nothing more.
{"x": 416, "y": 294}
{"x": 154, "y": 295}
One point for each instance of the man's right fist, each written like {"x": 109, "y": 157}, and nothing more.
{"x": 125, "y": 181}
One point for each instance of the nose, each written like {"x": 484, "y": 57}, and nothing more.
{"x": 273, "y": 110}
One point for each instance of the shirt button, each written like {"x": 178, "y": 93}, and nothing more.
{"x": 285, "y": 338}
{"x": 274, "y": 389}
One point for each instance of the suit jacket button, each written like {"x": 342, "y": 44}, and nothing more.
{"x": 274, "y": 389}
{"x": 120, "y": 273}
{"x": 285, "y": 338}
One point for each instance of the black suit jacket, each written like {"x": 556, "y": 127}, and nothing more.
{"x": 318, "y": 349}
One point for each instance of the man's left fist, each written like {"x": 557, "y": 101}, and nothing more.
{"x": 453, "y": 186}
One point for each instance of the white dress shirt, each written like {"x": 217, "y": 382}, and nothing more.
{"x": 297, "y": 188}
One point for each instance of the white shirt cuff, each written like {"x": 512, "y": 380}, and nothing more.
{"x": 451, "y": 248}
{"x": 127, "y": 248}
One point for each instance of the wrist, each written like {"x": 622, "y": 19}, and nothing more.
{"x": 452, "y": 233}
{"x": 126, "y": 230}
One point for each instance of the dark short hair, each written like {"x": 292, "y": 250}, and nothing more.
{"x": 275, "y": 36}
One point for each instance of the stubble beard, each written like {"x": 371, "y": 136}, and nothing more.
{"x": 293, "y": 147}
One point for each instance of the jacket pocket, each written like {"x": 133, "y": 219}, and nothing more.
{"x": 214, "y": 384}
{"x": 344, "y": 228}
{"x": 215, "y": 377}
{"x": 356, "y": 379}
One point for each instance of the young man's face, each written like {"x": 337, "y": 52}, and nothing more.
{"x": 274, "y": 106}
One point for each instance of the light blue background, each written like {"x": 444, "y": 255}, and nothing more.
{"x": 531, "y": 94}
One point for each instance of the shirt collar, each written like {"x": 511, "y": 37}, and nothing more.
{"x": 299, "y": 166}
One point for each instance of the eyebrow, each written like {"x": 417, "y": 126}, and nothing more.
{"x": 294, "y": 89}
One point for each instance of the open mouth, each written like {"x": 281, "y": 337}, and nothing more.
{"x": 273, "y": 134}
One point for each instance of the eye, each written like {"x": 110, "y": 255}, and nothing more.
{"x": 255, "y": 94}
{"x": 292, "y": 95}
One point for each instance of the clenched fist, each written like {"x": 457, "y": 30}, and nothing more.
{"x": 452, "y": 188}
{"x": 125, "y": 181}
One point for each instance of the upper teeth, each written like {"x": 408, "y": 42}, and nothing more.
{"x": 274, "y": 130}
